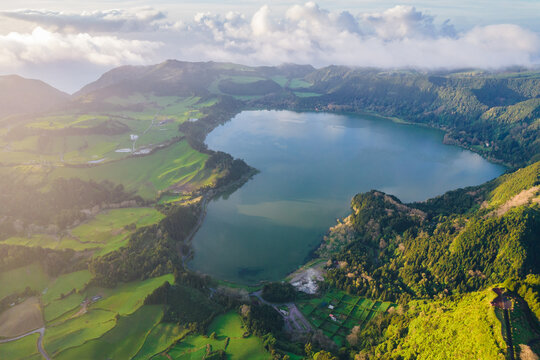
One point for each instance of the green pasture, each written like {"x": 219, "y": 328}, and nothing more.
{"x": 126, "y": 298}
{"x": 18, "y": 279}
{"x": 177, "y": 164}
{"x": 224, "y": 326}
{"x": 111, "y": 223}
{"x": 20, "y": 349}
{"x": 65, "y": 284}
{"x": 69, "y": 304}
{"x": 78, "y": 330}
{"x": 121, "y": 342}
{"x": 116, "y": 311}
{"x": 463, "y": 327}
{"x": 105, "y": 233}
{"x": 299, "y": 84}
{"x": 159, "y": 339}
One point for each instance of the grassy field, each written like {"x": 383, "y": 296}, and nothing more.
{"x": 159, "y": 339}
{"x": 177, "y": 164}
{"x": 64, "y": 284}
{"x": 77, "y": 331}
{"x": 20, "y": 349}
{"x": 227, "y": 325}
{"x": 59, "y": 307}
{"x": 108, "y": 229}
{"x": 105, "y": 233}
{"x": 153, "y": 119}
{"x": 126, "y": 298}
{"x": 18, "y": 279}
{"x": 347, "y": 312}
{"x": 121, "y": 342}
{"x": 114, "y": 309}
{"x": 464, "y": 328}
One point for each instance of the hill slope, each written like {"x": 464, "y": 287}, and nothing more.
{"x": 19, "y": 95}
{"x": 494, "y": 114}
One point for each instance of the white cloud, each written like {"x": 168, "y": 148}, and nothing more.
{"x": 401, "y": 36}
{"x": 398, "y": 37}
{"x": 115, "y": 20}
{"x": 402, "y": 22}
{"x": 43, "y": 46}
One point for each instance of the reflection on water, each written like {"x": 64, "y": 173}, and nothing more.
{"x": 311, "y": 165}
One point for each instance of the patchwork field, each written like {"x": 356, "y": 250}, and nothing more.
{"x": 224, "y": 326}
{"x": 108, "y": 231}
{"x": 177, "y": 165}
{"x": 337, "y": 312}
{"x": 121, "y": 342}
{"x": 87, "y": 327}
{"x": 100, "y": 136}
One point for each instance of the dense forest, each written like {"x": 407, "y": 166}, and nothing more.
{"x": 441, "y": 252}
{"x": 495, "y": 115}
{"x": 459, "y": 242}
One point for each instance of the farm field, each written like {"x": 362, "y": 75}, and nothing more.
{"x": 18, "y": 279}
{"x": 24, "y": 348}
{"x": 21, "y": 318}
{"x": 106, "y": 232}
{"x": 337, "y": 312}
{"x": 121, "y": 342}
{"x": 102, "y": 136}
{"x": 227, "y": 325}
{"x": 177, "y": 164}
{"x": 159, "y": 339}
{"x": 105, "y": 309}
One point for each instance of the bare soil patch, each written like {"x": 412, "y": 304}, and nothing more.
{"x": 21, "y": 318}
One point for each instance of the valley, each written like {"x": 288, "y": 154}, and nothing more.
{"x": 103, "y": 190}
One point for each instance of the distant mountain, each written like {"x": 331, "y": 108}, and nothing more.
{"x": 493, "y": 113}
{"x": 19, "y": 95}
{"x": 180, "y": 78}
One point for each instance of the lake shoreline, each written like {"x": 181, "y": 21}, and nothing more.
{"x": 312, "y": 255}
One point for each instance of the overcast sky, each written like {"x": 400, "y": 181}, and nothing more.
{"x": 70, "y": 43}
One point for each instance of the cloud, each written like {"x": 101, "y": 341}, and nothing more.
{"x": 42, "y": 46}
{"x": 133, "y": 20}
{"x": 401, "y": 36}
{"x": 402, "y": 22}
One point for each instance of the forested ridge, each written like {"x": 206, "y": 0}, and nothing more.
{"x": 438, "y": 254}
{"x": 495, "y": 115}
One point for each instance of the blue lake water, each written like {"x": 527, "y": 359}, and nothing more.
{"x": 311, "y": 165}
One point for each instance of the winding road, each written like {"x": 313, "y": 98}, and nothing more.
{"x": 41, "y": 332}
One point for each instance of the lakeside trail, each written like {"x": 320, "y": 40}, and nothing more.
{"x": 41, "y": 332}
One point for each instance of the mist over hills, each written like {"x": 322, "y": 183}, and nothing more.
{"x": 20, "y": 95}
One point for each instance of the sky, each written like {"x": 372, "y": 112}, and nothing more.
{"x": 70, "y": 43}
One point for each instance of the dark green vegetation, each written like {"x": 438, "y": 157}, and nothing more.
{"x": 279, "y": 292}
{"x": 337, "y": 313}
{"x": 452, "y": 248}
{"x": 495, "y": 115}
{"x": 101, "y": 191}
